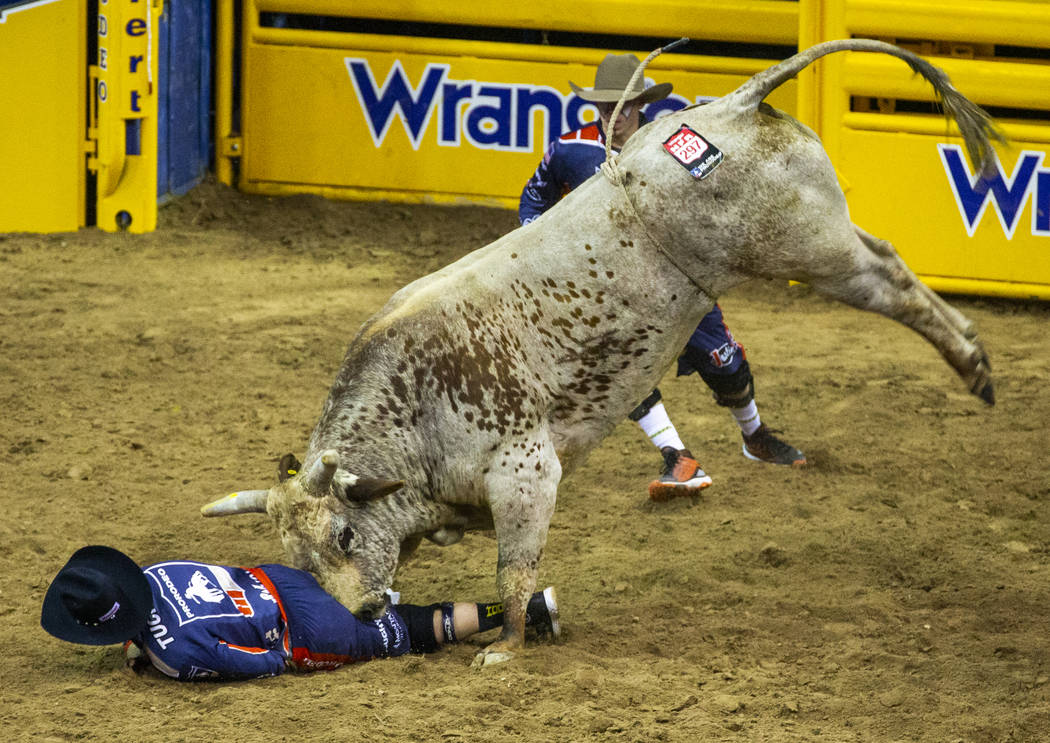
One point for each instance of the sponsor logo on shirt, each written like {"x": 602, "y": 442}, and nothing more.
{"x": 211, "y": 591}
{"x": 202, "y": 589}
{"x": 724, "y": 354}
{"x": 383, "y": 633}
{"x": 233, "y": 590}
{"x": 175, "y": 596}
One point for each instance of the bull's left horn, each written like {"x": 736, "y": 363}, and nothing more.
{"x": 319, "y": 478}
{"x": 246, "y": 501}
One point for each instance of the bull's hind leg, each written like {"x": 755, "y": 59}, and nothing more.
{"x": 522, "y": 486}
{"x": 876, "y": 279}
{"x": 884, "y": 248}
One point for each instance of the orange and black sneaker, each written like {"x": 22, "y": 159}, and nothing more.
{"x": 763, "y": 446}
{"x": 682, "y": 475}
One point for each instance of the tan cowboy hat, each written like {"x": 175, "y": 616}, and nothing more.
{"x": 613, "y": 75}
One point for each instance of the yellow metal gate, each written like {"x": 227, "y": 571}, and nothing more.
{"x": 43, "y": 55}
{"x": 904, "y": 171}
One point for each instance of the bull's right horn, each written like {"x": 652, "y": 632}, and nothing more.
{"x": 246, "y": 501}
{"x": 317, "y": 481}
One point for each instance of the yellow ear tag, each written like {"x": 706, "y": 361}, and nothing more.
{"x": 292, "y": 473}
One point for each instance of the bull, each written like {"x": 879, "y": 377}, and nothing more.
{"x": 468, "y": 396}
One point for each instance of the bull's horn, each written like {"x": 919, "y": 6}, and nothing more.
{"x": 371, "y": 488}
{"x": 319, "y": 478}
{"x": 246, "y": 501}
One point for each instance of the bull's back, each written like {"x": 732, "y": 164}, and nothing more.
{"x": 774, "y": 185}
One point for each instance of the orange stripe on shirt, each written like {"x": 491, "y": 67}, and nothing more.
{"x": 302, "y": 657}
{"x": 587, "y": 133}
{"x": 243, "y": 649}
{"x": 269, "y": 586}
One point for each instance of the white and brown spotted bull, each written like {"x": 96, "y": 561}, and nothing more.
{"x": 466, "y": 398}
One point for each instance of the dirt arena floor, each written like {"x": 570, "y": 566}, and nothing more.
{"x": 896, "y": 590}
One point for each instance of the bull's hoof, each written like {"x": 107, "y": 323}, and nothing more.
{"x": 987, "y": 393}
{"x": 488, "y": 658}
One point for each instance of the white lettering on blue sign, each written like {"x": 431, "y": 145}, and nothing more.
{"x": 492, "y": 116}
{"x": 1008, "y": 195}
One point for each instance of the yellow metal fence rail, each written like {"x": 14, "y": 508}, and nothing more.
{"x": 756, "y": 21}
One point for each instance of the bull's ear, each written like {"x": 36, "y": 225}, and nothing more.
{"x": 371, "y": 488}
{"x": 289, "y": 467}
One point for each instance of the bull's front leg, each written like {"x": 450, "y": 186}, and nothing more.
{"x": 522, "y": 489}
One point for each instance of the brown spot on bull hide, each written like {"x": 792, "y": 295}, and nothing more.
{"x": 477, "y": 373}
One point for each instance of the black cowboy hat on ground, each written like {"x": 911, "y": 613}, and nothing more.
{"x": 613, "y": 76}
{"x": 100, "y": 597}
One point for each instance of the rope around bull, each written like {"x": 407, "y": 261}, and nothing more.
{"x": 609, "y": 166}
{"x": 611, "y": 171}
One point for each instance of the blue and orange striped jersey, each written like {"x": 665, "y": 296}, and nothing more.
{"x": 221, "y": 622}
{"x": 569, "y": 160}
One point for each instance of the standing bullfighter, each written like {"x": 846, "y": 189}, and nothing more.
{"x": 711, "y": 352}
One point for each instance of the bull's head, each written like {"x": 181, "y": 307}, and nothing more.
{"x": 331, "y": 523}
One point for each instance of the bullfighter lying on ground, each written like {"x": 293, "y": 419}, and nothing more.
{"x": 195, "y": 621}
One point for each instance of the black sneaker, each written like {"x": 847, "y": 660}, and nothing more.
{"x": 763, "y": 446}
{"x": 541, "y": 614}
{"x": 682, "y": 475}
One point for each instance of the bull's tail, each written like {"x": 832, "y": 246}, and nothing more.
{"x": 974, "y": 123}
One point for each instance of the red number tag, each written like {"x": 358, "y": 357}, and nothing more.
{"x": 693, "y": 152}
{"x": 686, "y": 145}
